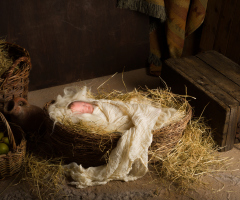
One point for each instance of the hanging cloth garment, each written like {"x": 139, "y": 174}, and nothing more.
{"x": 181, "y": 17}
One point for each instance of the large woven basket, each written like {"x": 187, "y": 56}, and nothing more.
{"x": 92, "y": 149}
{"x": 12, "y": 162}
{"x": 14, "y": 82}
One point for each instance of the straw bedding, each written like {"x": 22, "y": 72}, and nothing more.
{"x": 185, "y": 162}
{"x": 194, "y": 156}
{"x": 45, "y": 176}
{"x": 141, "y": 113}
{"x": 94, "y": 143}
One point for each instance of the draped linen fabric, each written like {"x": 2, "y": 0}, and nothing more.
{"x": 128, "y": 161}
{"x": 180, "y": 17}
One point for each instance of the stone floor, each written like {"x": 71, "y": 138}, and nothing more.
{"x": 221, "y": 186}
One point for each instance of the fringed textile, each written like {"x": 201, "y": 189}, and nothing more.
{"x": 181, "y": 17}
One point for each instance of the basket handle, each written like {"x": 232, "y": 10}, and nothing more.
{"x": 10, "y": 133}
{"x": 15, "y": 64}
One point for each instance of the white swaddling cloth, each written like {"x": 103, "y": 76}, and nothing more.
{"x": 129, "y": 160}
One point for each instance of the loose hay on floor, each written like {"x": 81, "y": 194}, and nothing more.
{"x": 192, "y": 157}
{"x": 45, "y": 177}
{"x": 185, "y": 165}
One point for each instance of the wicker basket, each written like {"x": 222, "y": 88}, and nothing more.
{"x": 92, "y": 149}
{"x": 11, "y": 162}
{"x": 15, "y": 83}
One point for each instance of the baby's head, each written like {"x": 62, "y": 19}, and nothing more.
{"x": 81, "y": 107}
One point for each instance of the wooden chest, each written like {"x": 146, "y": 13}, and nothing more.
{"x": 215, "y": 82}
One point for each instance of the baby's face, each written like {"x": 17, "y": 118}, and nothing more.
{"x": 81, "y": 107}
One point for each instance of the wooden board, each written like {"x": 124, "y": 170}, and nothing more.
{"x": 227, "y": 76}
{"x": 210, "y": 24}
{"x": 232, "y": 50}
{"x": 224, "y": 66}
{"x": 221, "y": 28}
{"x": 224, "y": 26}
{"x": 213, "y": 91}
{"x": 75, "y": 40}
{"x": 205, "y": 102}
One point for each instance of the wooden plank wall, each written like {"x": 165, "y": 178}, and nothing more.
{"x": 75, "y": 40}
{"x": 221, "y": 28}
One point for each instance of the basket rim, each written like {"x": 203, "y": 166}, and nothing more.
{"x": 17, "y": 151}
{"x": 9, "y": 131}
{"x": 24, "y": 58}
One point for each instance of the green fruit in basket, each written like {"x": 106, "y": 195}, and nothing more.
{"x": 1, "y": 135}
{"x": 5, "y": 140}
{"x": 4, "y": 149}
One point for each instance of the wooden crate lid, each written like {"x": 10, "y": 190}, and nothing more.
{"x": 221, "y": 70}
{"x": 218, "y": 77}
{"x": 203, "y": 75}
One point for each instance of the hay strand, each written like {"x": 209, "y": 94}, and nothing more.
{"x": 192, "y": 157}
{"x": 157, "y": 97}
{"x": 5, "y": 61}
{"x": 95, "y": 142}
{"x": 45, "y": 176}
